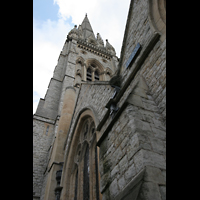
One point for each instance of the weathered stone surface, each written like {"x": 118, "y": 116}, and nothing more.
{"x": 115, "y": 171}
{"x": 154, "y": 174}
{"x": 135, "y": 138}
{"x": 149, "y": 191}
{"x": 159, "y": 133}
{"x": 130, "y": 173}
{"x": 157, "y": 145}
{"x": 113, "y": 188}
{"x": 105, "y": 181}
{"x": 153, "y": 159}
{"x": 135, "y": 100}
{"x": 41, "y": 145}
{"x": 123, "y": 164}
{"x": 121, "y": 182}
{"x": 163, "y": 192}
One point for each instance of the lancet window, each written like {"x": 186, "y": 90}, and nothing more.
{"x": 93, "y": 73}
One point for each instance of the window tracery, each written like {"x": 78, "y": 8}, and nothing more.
{"x": 85, "y": 171}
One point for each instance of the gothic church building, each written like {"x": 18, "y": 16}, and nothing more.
{"x": 100, "y": 131}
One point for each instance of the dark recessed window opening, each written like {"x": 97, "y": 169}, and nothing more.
{"x": 86, "y": 185}
{"x": 96, "y": 76}
{"x": 76, "y": 186}
{"x": 89, "y": 75}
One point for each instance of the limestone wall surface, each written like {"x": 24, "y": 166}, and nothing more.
{"x": 140, "y": 30}
{"x": 41, "y": 145}
{"x": 133, "y": 143}
{"x": 92, "y": 96}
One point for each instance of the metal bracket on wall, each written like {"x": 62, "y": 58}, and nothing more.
{"x": 113, "y": 110}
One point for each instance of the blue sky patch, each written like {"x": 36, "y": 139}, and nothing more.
{"x": 45, "y": 9}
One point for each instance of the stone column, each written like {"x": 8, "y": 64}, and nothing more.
{"x": 78, "y": 75}
{"x": 84, "y": 72}
{"x": 58, "y": 148}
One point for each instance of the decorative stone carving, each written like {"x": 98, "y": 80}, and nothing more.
{"x": 110, "y": 48}
{"x": 100, "y": 41}
{"x": 74, "y": 32}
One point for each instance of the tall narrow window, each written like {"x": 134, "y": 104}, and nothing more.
{"x": 76, "y": 186}
{"x": 96, "y": 76}
{"x": 86, "y": 182}
{"x": 89, "y": 75}
{"x": 84, "y": 154}
{"x": 86, "y": 130}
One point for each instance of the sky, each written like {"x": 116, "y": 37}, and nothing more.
{"x": 52, "y": 21}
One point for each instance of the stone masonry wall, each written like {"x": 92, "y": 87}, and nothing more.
{"x": 136, "y": 142}
{"x": 154, "y": 67}
{"x": 154, "y": 72}
{"x": 138, "y": 30}
{"x": 41, "y": 144}
{"x": 92, "y": 95}
{"x": 133, "y": 148}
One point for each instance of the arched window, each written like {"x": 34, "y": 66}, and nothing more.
{"x": 96, "y": 76}
{"x": 86, "y": 183}
{"x": 89, "y": 74}
{"x": 81, "y": 178}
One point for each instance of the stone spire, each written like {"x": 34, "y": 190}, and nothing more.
{"x": 86, "y": 28}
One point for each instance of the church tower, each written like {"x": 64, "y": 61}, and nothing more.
{"x": 83, "y": 59}
{"x": 100, "y": 131}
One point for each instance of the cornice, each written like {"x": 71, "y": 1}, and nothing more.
{"x": 96, "y": 50}
{"x": 44, "y": 119}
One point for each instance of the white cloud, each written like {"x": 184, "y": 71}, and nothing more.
{"x": 107, "y": 17}
{"x": 48, "y": 40}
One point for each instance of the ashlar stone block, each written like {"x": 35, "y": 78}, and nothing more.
{"x": 123, "y": 164}
{"x": 135, "y": 100}
{"x": 105, "y": 181}
{"x": 113, "y": 188}
{"x": 155, "y": 175}
{"x": 121, "y": 182}
{"x": 130, "y": 173}
{"x": 149, "y": 191}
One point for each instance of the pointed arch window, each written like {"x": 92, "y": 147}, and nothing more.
{"x": 83, "y": 181}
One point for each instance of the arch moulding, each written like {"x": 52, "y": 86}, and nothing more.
{"x": 72, "y": 141}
